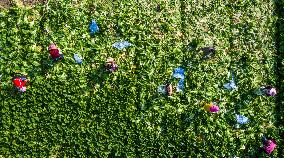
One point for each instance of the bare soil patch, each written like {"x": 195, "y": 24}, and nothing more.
{"x": 8, "y": 3}
{"x": 4, "y": 4}
{"x": 33, "y": 2}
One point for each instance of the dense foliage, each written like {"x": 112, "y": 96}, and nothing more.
{"x": 77, "y": 110}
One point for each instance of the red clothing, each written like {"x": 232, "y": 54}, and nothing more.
{"x": 18, "y": 82}
{"x": 54, "y": 53}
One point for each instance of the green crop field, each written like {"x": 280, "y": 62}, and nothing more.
{"x": 72, "y": 110}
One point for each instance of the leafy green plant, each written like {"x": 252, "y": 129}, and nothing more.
{"x": 72, "y": 110}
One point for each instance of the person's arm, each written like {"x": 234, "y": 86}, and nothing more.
{"x": 59, "y": 51}
{"x": 23, "y": 78}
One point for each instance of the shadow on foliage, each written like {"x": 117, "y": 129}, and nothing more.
{"x": 279, "y": 41}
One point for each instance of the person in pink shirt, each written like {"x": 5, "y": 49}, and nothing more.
{"x": 268, "y": 145}
{"x": 211, "y": 107}
{"x": 266, "y": 90}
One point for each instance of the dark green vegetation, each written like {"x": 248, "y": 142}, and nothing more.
{"x": 79, "y": 110}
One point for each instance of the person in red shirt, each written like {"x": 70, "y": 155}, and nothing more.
{"x": 55, "y": 52}
{"x": 20, "y": 83}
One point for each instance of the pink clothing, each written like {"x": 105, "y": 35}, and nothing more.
{"x": 23, "y": 89}
{"x": 269, "y": 146}
{"x": 214, "y": 108}
{"x": 271, "y": 92}
{"x": 52, "y": 46}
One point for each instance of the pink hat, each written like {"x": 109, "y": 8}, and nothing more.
{"x": 52, "y": 46}
{"x": 214, "y": 108}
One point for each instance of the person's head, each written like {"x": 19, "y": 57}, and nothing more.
{"x": 264, "y": 139}
{"x": 111, "y": 65}
{"x": 52, "y": 46}
{"x": 211, "y": 49}
{"x": 270, "y": 91}
{"x": 23, "y": 89}
{"x": 110, "y": 60}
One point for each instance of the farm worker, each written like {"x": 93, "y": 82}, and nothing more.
{"x": 270, "y": 91}
{"x": 166, "y": 89}
{"x": 55, "y": 53}
{"x": 211, "y": 107}
{"x": 111, "y": 65}
{"x": 169, "y": 89}
{"x": 208, "y": 52}
{"x": 268, "y": 145}
{"x": 20, "y": 83}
